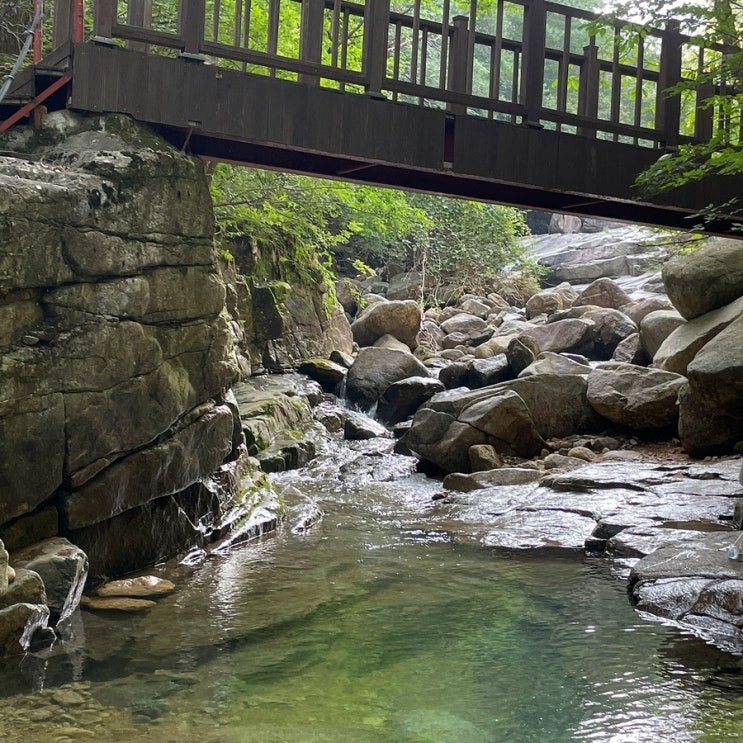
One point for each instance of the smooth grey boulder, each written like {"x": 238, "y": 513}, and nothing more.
{"x": 544, "y": 303}
{"x": 401, "y": 399}
{"x": 610, "y": 328}
{"x": 64, "y": 569}
{"x": 711, "y": 405}
{"x": 450, "y": 423}
{"x": 682, "y": 345}
{"x": 655, "y": 327}
{"x": 475, "y": 306}
{"x": 491, "y": 478}
{"x": 375, "y": 369}
{"x": 549, "y": 362}
{"x": 467, "y": 329}
{"x": 390, "y": 342}
{"x": 603, "y": 292}
{"x": 484, "y": 372}
{"x": 521, "y": 352}
{"x": 402, "y": 319}
{"x": 636, "y": 311}
{"x": 630, "y": 351}
{"x": 635, "y": 396}
{"x": 359, "y": 427}
{"x": 571, "y": 335}
{"x": 705, "y": 279}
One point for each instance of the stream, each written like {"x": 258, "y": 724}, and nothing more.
{"x": 377, "y": 621}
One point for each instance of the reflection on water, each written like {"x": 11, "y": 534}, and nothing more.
{"x": 375, "y": 626}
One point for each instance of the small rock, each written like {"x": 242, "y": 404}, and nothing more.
{"x": 68, "y": 698}
{"x": 144, "y": 585}
{"x": 116, "y": 604}
{"x": 582, "y": 452}
{"x": 11, "y": 574}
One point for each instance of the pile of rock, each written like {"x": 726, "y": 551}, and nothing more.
{"x": 485, "y": 373}
{"x": 39, "y": 590}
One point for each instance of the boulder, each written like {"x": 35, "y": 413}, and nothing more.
{"x": 401, "y": 399}
{"x": 630, "y": 351}
{"x": 454, "y": 375}
{"x": 18, "y": 623}
{"x": 402, "y": 319}
{"x": 543, "y": 303}
{"x": 404, "y": 286}
{"x": 483, "y": 457}
{"x": 449, "y": 424}
{"x": 711, "y": 405}
{"x": 359, "y": 427}
{"x": 656, "y": 327}
{"x": 328, "y": 373}
{"x": 706, "y": 279}
{"x": 116, "y": 604}
{"x": 572, "y": 335}
{"x": 564, "y": 224}
{"x": 484, "y": 372}
{"x": 610, "y": 328}
{"x": 679, "y": 349}
{"x": 603, "y": 293}
{"x": 496, "y": 345}
{"x": 64, "y": 569}
{"x": 635, "y": 396}
{"x": 554, "y": 363}
{"x": 139, "y": 587}
{"x": 636, "y": 311}
{"x": 375, "y": 369}
{"x": 521, "y": 352}
{"x": 503, "y": 476}
{"x": 468, "y": 329}
{"x": 389, "y": 341}
{"x": 27, "y": 588}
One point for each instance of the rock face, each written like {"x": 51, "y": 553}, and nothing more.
{"x": 116, "y": 354}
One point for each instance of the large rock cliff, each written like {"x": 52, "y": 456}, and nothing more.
{"x": 116, "y": 350}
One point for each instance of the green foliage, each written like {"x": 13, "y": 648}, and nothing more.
{"x": 319, "y": 226}
{"x": 710, "y": 23}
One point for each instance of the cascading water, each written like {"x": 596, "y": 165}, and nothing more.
{"x": 371, "y": 616}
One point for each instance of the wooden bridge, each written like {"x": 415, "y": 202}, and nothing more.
{"x": 522, "y": 102}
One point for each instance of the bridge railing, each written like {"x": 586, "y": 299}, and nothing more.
{"x": 523, "y": 61}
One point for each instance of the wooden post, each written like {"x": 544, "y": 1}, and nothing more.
{"x": 376, "y": 27}
{"x": 139, "y": 13}
{"x": 104, "y": 19}
{"x": 588, "y": 92}
{"x": 62, "y": 30}
{"x": 458, "y": 62}
{"x": 532, "y": 82}
{"x": 310, "y": 40}
{"x": 192, "y": 22}
{"x": 668, "y": 106}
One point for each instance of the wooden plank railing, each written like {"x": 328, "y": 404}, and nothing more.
{"x": 533, "y": 62}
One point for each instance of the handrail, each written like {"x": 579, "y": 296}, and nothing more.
{"x": 573, "y": 83}
{"x": 30, "y": 34}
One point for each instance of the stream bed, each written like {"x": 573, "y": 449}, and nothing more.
{"x": 371, "y": 622}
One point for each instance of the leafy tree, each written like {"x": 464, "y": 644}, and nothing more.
{"x": 716, "y": 26}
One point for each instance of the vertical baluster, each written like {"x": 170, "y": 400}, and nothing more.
{"x": 588, "y": 91}
{"x": 497, "y": 54}
{"x": 396, "y": 58}
{"x": 444, "y": 66}
{"x": 216, "y": 19}
{"x": 616, "y": 83}
{"x": 310, "y": 40}
{"x": 638, "y": 83}
{"x": 238, "y": 22}
{"x": 38, "y": 50}
{"x": 376, "y": 31}
{"x": 668, "y": 106}
{"x": 424, "y": 59}
{"x": 345, "y": 41}
{"x": 414, "y": 45}
{"x": 335, "y": 28}
{"x": 532, "y": 80}
{"x": 471, "y": 45}
{"x": 564, "y": 69}
{"x": 246, "y": 30}
{"x": 518, "y": 63}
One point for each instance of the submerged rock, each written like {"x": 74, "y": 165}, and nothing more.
{"x": 144, "y": 585}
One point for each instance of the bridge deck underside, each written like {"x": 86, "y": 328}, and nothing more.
{"x": 232, "y": 116}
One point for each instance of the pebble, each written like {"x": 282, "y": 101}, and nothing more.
{"x": 67, "y": 698}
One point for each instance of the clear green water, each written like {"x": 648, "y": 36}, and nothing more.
{"x": 376, "y": 626}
